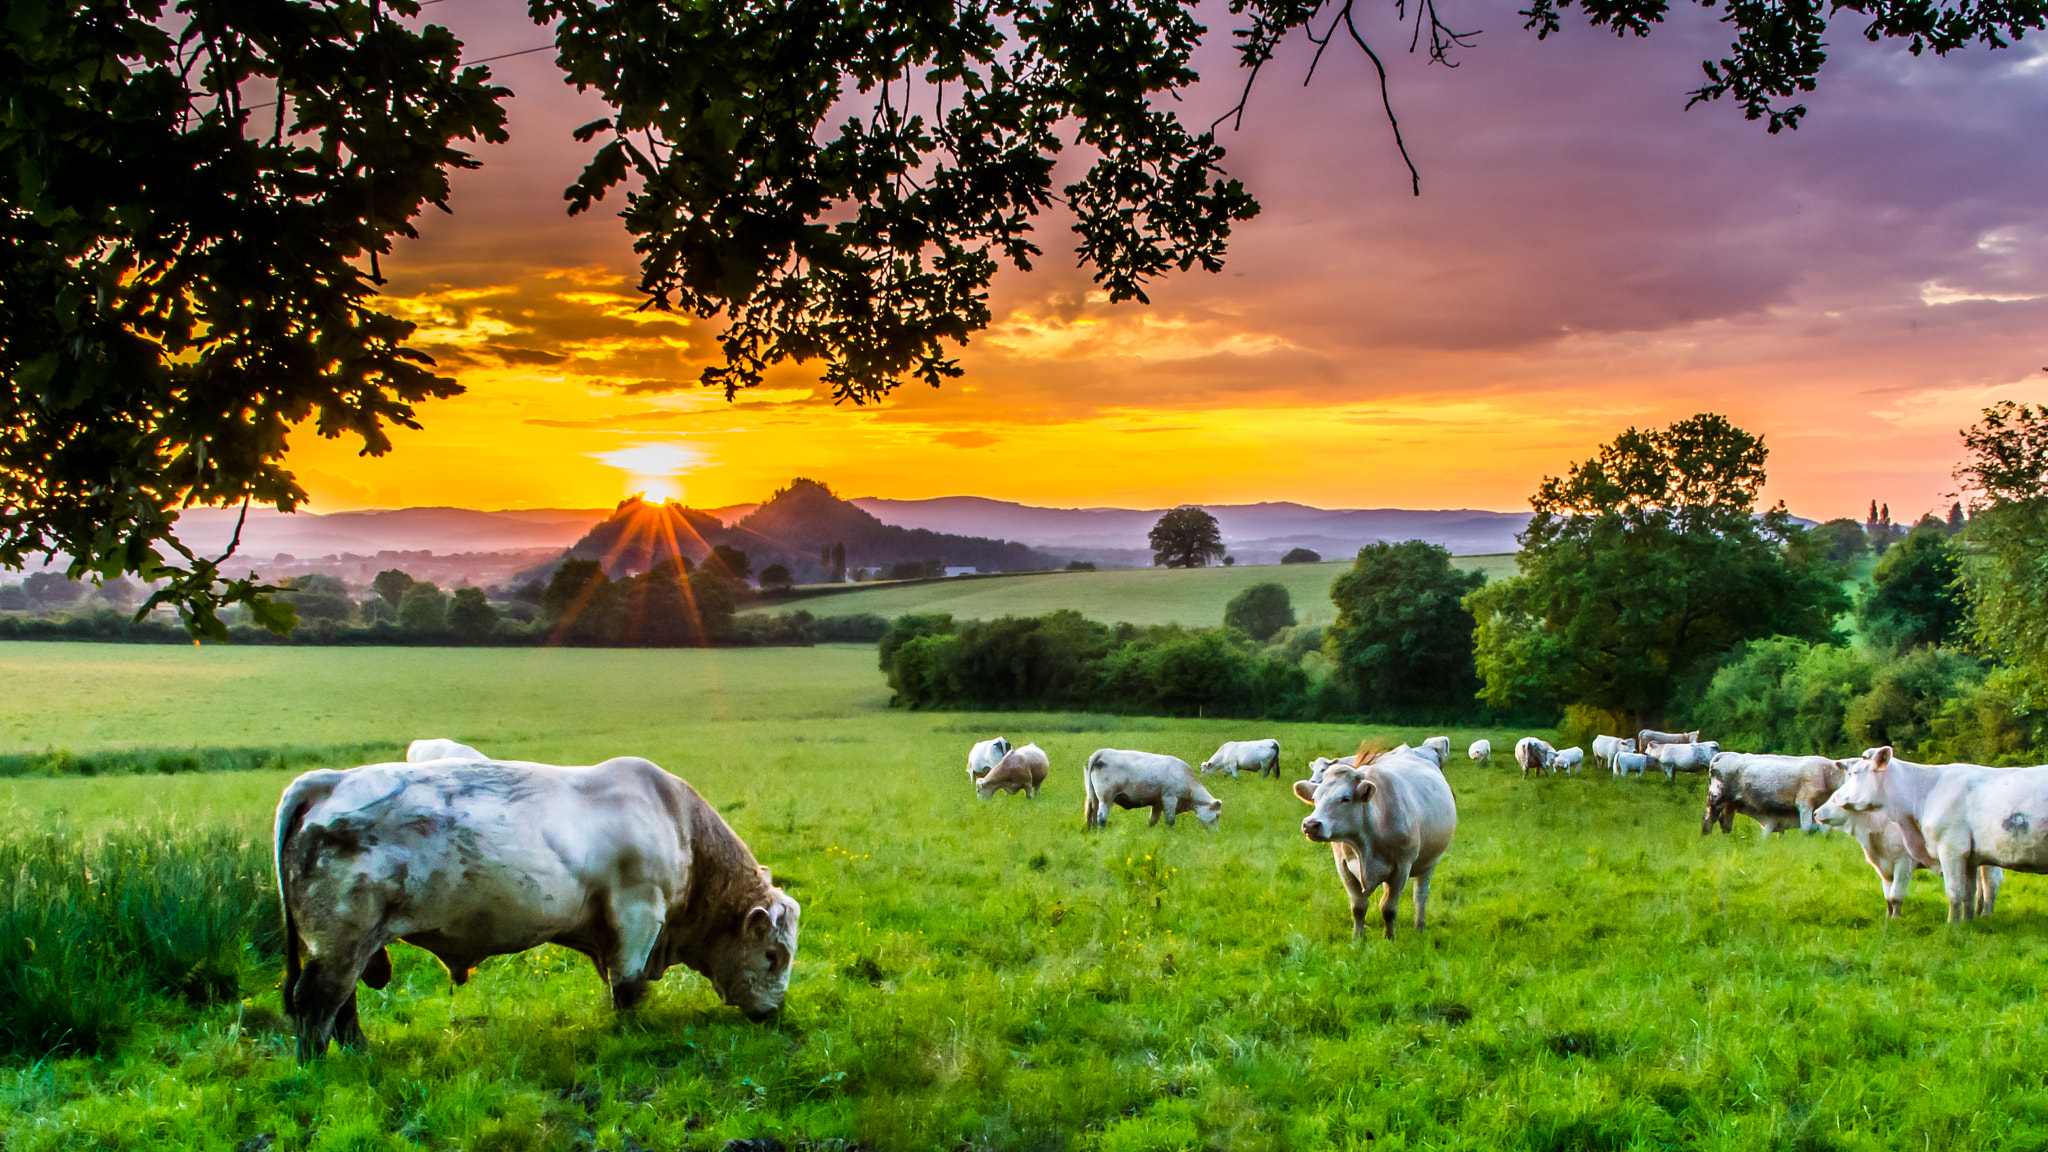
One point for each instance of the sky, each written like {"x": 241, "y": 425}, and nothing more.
{"x": 1587, "y": 255}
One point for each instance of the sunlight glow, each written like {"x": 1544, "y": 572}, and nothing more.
{"x": 653, "y": 467}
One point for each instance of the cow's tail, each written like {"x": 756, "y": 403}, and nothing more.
{"x": 299, "y": 795}
{"x": 1088, "y": 791}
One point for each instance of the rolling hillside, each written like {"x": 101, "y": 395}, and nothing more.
{"x": 1194, "y": 597}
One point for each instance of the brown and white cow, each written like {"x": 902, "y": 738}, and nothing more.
{"x": 1127, "y": 779}
{"x": 471, "y": 859}
{"x": 1957, "y": 817}
{"x": 1020, "y": 770}
{"x": 1387, "y": 820}
{"x": 1778, "y": 792}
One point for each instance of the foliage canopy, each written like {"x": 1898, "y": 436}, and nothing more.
{"x": 1402, "y": 641}
{"x": 1186, "y": 537}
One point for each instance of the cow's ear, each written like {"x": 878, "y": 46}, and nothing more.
{"x": 1881, "y": 757}
{"x": 1365, "y": 790}
{"x": 1306, "y": 791}
{"x": 758, "y": 921}
{"x": 767, "y": 877}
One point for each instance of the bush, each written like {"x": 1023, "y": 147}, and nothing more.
{"x": 1786, "y": 696}
{"x": 471, "y": 615}
{"x": 1302, "y": 556}
{"x": 1080, "y": 565}
{"x": 1260, "y": 611}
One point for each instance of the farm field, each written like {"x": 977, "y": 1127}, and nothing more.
{"x": 1193, "y": 596}
{"x": 974, "y": 975}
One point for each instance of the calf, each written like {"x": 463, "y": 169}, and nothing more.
{"x": 1675, "y": 758}
{"x": 1386, "y": 820}
{"x": 1261, "y": 757}
{"x": 1481, "y": 752}
{"x": 1778, "y": 792}
{"x": 1165, "y": 784}
{"x": 1627, "y": 762}
{"x": 1534, "y": 755}
{"x": 1569, "y": 760}
{"x": 1023, "y": 770}
{"x": 986, "y": 755}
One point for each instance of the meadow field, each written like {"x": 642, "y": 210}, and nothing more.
{"x": 975, "y": 975}
{"x": 1194, "y": 597}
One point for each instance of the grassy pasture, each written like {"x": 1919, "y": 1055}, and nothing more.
{"x": 1193, "y": 596}
{"x": 1596, "y": 975}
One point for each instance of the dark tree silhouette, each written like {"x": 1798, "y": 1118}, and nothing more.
{"x": 1259, "y": 611}
{"x": 1302, "y": 556}
{"x": 1186, "y": 537}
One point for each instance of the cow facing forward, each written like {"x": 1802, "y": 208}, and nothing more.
{"x": 471, "y": 859}
{"x": 1259, "y": 757}
{"x": 1386, "y": 821}
{"x": 1023, "y": 770}
{"x": 1165, "y": 784}
{"x": 1778, "y": 792}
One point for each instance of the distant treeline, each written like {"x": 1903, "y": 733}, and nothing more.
{"x": 174, "y": 761}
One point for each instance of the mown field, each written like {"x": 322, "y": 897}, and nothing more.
{"x": 985, "y": 975}
{"x": 1194, "y": 597}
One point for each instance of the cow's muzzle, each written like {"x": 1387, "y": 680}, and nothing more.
{"x": 1314, "y": 830}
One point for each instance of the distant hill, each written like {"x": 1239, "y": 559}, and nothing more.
{"x": 1255, "y": 533}
{"x": 792, "y": 528}
{"x": 310, "y": 535}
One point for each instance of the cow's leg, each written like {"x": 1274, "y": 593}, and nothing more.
{"x": 1895, "y": 886}
{"x": 325, "y": 999}
{"x": 1957, "y": 880}
{"x": 1169, "y": 805}
{"x": 1989, "y": 878}
{"x": 1422, "y": 897}
{"x": 636, "y": 919}
{"x": 1396, "y": 881}
{"x": 1807, "y": 823}
{"x": 1354, "y": 891}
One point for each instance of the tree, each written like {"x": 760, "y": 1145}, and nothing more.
{"x": 1186, "y": 537}
{"x": 391, "y": 585}
{"x": 1912, "y": 598}
{"x": 317, "y": 596}
{"x": 118, "y": 592}
{"x": 1641, "y": 568}
{"x": 581, "y": 605}
{"x": 777, "y": 578}
{"x": 1955, "y": 521}
{"x": 732, "y": 562}
{"x": 1302, "y": 556}
{"x": 1259, "y": 611}
{"x": 471, "y": 616}
{"x": 160, "y": 338}
{"x": 50, "y": 588}
{"x": 2005, "y": 472}
{"x": 1402, "y": 641}
{"x": 13, "y": 599}
{"x": 423, "y": 608}
{"x": 1844, "y": 540}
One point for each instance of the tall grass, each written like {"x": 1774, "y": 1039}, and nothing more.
{"x": 89, "y": 929}
{"x": 171, "y": 761}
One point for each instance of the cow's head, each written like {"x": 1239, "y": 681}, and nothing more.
{"x": 750, "y": 967}
{"x": 1832, "y": 813}
{"x": 1862, "y": 787}
{"x": 1209, "y": 811}
{"x": 1339, "y": 803}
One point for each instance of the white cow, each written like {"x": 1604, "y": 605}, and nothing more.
{"x": 1884, "y": 848}
{"x": 1534, "y": 755}
{"x": 1627, "y": 762}
{"x": 1481, "y": 752}
{"x": 421, "y": 751}
{"x": 1958, "y": 817}
{"x": 1778, "y": 792}
{"x": 1257, "y": 756}
{"x": 1570, "y": 758}
{"x": 1386, "y": 820}
{"x": 1649, "y": 738}
{"x": 1127, "y": 779}
{"x": 1440, "y": 748}
{"x": 1606, "y": 748}
{"x": 1674, "y": 758}
{"x": 986, "y": 755}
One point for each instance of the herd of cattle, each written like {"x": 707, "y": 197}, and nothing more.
{"x": 470, "y": 857}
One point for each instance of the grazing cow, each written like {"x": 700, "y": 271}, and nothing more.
{"x": 1674, "y": 758}
{"x": 1958, "y": 817}
{"x": 1386, "y": 820}
{"x": 1261, "y": 757}
{"x": 421, "y": 751}
{"x": 473, "y": 859}
{"x": 1569, "y": 760}
{"x": 1627, "y": 762}
{"x": 1778, "y": 792}
{"x": 1534, "y": 755}
{"x": 1023, "y": 770}
{"x": 1649, "y": 738}
{"x": 1606, "y": 748}
{"x": 1884, "y": 848}
{"x": 986, "y": 755}
{"x": 1440, "y": 748}
{"x": 1481, "y": 752}
{"x": 1165, "y": 784}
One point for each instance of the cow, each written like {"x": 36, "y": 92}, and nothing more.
{"x": 1165, "y": 784}
{"x": 1649, "y": 738}
{"x": 421, "y": 751}
{"x": 1320, "y": 764}
{"x": 986, "y": 755}
{"x": 471, "y": 859}
{"x": 1534, "y": 755}
{"x": 1606, "y": 748}
{"x": 1570, "y": 758}
{"x": 1261, "y": 757}
{"x": 1023, "y": 770}
{"x": 1778, "y": 792}
{"x": 1958, "y": 817}
{"x": 1387, "y": 819}
{"x": 1675, "y": 758}
{"x": 1884, "y": 848}
{"x": 1627, "y": 762}
{"x": 1440, "y": 748}
{"x": 1481, "y": 752}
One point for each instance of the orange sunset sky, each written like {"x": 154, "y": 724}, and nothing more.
{"x": 1587, "y": 255}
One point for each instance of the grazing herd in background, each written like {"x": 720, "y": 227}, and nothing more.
{"x": 470, "y": 857}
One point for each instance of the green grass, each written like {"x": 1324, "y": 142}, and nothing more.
{"x": 985, "y": 975}
{"x": 1193, "y": 597}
